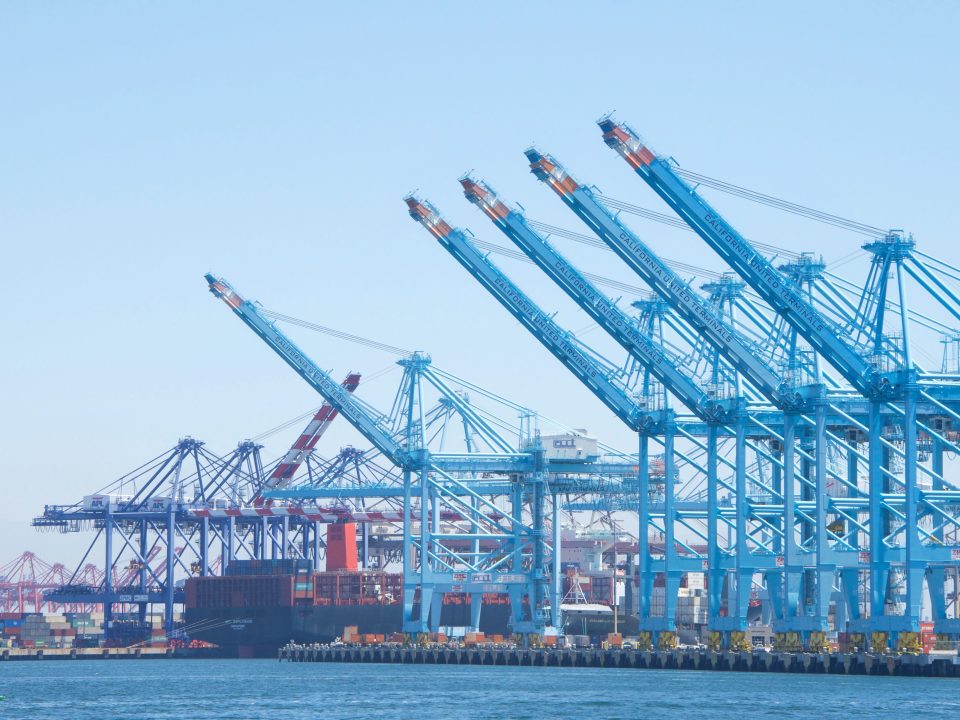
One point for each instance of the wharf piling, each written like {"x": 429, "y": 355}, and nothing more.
{"x": 124, "y": 653}
{"x": 680, "y": 659}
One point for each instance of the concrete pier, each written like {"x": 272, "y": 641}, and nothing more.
{"x": 16, "y": 654}
{"x": 683, "y": 659}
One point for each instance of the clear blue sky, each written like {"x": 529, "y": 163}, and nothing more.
{"x": 143, "y": 144}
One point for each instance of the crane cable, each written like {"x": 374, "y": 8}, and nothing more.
{"x": 340, "y": 334}
{"x": 681, "y": 225}
{"x": 781, "y": 204}
{"x": 594, "y": 242}
{"x": 600, "y": 280}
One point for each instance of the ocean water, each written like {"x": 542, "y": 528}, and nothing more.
{"x": 269, "y": 690}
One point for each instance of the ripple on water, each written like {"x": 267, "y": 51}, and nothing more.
{"x": 268, "y": 690}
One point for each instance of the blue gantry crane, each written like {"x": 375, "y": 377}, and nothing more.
{"x": 587, "y": 368}
{"x": 878, "y": 365}
{"x": 705, "y": 318}
{"x": 806, "y": 449}
{"x": 513, "y": 557}
{"x": 672, "y": 564}
{"x": 830, "y": 418}
{"x": 661, "y": 364}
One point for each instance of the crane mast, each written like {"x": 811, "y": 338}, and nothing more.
{"x": 902, "y": 384}
{"x": 662, "y": 279}
{"x": 562, "y": 345}
{"x": 440, "y": 566}
{"x": 672, "y": 564}
{"x": 558, "y": 341}
{"x": 604, "y": 311}
{"x": 621, "y": 328}
{"x": 337, "y": 395}
{"x": 783, "y": 295}
{"x": 289, "y": 464}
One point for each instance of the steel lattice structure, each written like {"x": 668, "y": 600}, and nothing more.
{"x": 25, "y": 580}
{"x": 836, "y": 477}
{"x": 487, "y": 547}
{"x": 789, "y": 443}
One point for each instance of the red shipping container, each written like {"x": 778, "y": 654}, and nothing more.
{"x": 342, "y": 546}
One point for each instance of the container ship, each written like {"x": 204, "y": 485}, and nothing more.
{"x": 264, "y": 604}
{"x": 257, "y": 606}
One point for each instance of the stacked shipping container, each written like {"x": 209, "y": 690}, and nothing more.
{"x": 240, "y": 591}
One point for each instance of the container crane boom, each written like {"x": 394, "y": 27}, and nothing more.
{"x": 284, "y": 471}
{"x": 337, "y": 395}
{"x": 603, "y": 310}
{"x": 558, "y": 341}
{"x": 781, "y": 294}
{"x": 662, "y": 279}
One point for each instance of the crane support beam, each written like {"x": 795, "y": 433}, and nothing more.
{"x": 339, "y": 397}
{"x": 558, "y": 341}
{"x": 693, "y": 308}
{"x": 758, "y": 272}
{"x": 283, "y": 473}
{"x": 645, "y": 349}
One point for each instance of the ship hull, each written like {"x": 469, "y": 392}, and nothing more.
{"x": 241, "y": 632}
{"x": 260, "y": 632}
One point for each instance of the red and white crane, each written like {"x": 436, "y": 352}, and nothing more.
{"x": 283, "y": 473}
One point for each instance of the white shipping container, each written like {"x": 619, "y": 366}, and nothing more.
{"x": 101, "y": 502}
{"x": 696, "y": 580}
{"x": 575, "y": 446}
{"x": 159, "y": 504}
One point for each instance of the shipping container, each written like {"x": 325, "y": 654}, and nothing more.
{"x": 240, "y": 591}
{"x": 268, "y": 567}
{"x": 473, "y": 638}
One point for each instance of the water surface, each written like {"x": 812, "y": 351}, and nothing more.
{"x": 269, "y": 690}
